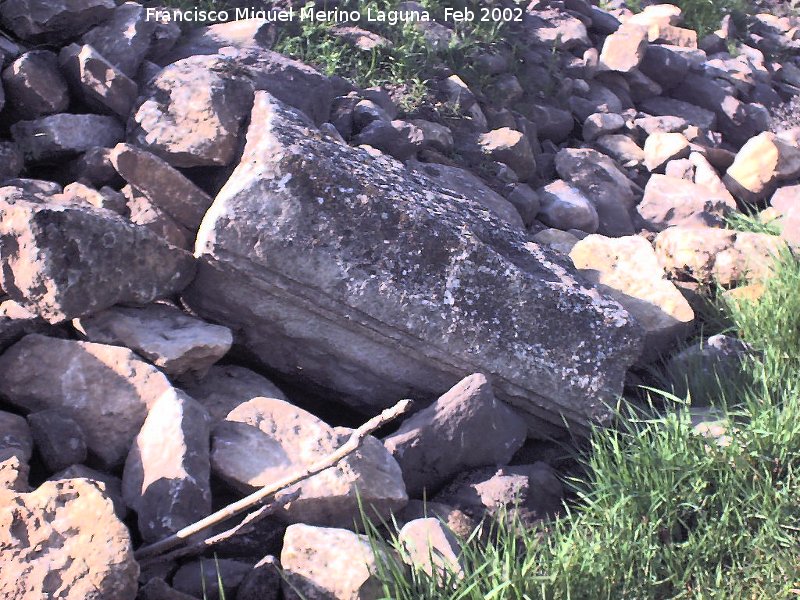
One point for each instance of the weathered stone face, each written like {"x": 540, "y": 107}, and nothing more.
{"x": 338, "y": 267}
{"x": 67, "y": 261}
{"x": 64, "y": 541}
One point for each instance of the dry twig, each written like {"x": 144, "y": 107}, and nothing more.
{"x": 236, "y": 508}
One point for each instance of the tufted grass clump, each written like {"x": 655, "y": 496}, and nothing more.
{"x": 661, "y": 510}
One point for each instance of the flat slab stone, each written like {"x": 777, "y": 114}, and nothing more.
{"x": 166, "y": 336}
{"x": 339, "y": 267}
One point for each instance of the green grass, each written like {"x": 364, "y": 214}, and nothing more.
{"x": 661, "y": 511}
{"x": 751, "y": 222}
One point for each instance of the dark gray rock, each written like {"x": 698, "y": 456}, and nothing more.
{"x": 124, "y": 39}
{"x": 164, "y": 186}
{"x": 53, "y": 21}
{"x": 669, "y": 107}
{"x": 533, "y": 490}
{"x": 201, "y": 578}
{"x": 166, "y": 479}
{"x": 263, "y": 582}
{"x": 734, "y": 121}
{"x": 664, "y": 66}
{"x": 59, "y": 439}
{"x": 93, "y": 167}
{"x": 34, "y": 86}
{"x": 225, "y": 387}
{"x": 16, "y": 443}
{"x": 63, "y": 135}
{"x": 466, "y": 428}
{"x": 422, "y": 286}
{"x": 11, "y": 161}
{"x": 604, "y": 184}
{"x": 68, "y": 261}
{"x": 552, "y": 123}
{"x": 467, "y": 184}
{"x": 98, "y": 83}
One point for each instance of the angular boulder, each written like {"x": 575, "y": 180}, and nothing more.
{"x": 534, "y": 490}
{"x": 64, "y": 541}
{"x": 98, "y": 83}
{"x": 761, "y": 163}
{"x": 603, "y": 183}
{"x": 321, "y": 562}
{"x": 190, "y": 113}
{"x": 669, "y": 201}
{"x": 107, "y": 390}
{"x": 466, "y": 428}
{"x": 717, "y": 255}
{"x": 63, "y": 135}
{"x": 627, "y": 269}
{"x": 53, "y": 21}
{"x": 166, "y": 187}
{"x": 335, "y": 265}
{"x": 166, "y": 336}
{"x": 59, "y": 438}
{"x": 125, "y": 38}
{"x": 431, "y": 546}
{"x": 34, "y": 86}
{"x": 67, "y": 261}
{"x": 16, "y": 448}
{"x": 167, "y": 472}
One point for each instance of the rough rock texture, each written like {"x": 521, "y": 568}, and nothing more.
{"x": 34, "y": 86}
{"x": 67, "y": 261}
{"x": 603, "y": 183}
{"x": 112, "y": 485}
{"x": 534, "y": 489}
{"x": 63, "y": 135}
{"x": 291, "y": 81}
{"x": 225, "y": 387}
{"x": 16, "y": 447}
{"x": 464, "y": 183}
{"x": 124, "y": 39}
{"x": 761, "y": 163}
{"x": 53, "y": 21}
{"x": 266, "y": 439}
{"x": 669, "y": 201}
{"x": 64, "y": 541}
{"x": 564, "y": 206}
{"x": 420, "y": 287}
{"x": 164, "y": 186}
{"x": 190, "y": 114}
{"x": 11, "y": 160}
{"x": 98, "y": 83}
{"x": 335, "y": 564}
{"x": 465, "y": 428}
{"x": 431, "y": 546}
{"x": 166, "y": 336}
{"x": 107, "y": 390}
{"x": 721, "y": 255}
{"x": 627, "y": 270}
{"x": 59, "y": 438}
{"x": 166, "y": 476}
